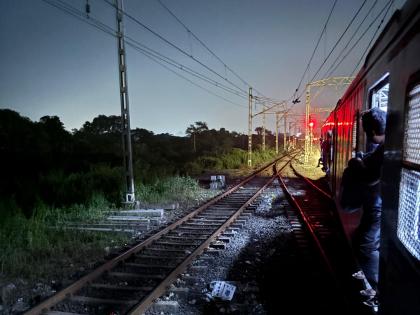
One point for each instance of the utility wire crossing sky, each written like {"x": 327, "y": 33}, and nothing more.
{"x": 187, "y": 60}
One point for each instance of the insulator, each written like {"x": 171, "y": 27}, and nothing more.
{"x": 87, "y": 8}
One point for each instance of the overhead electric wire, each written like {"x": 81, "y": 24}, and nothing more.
{"x": 361, "y": 36}
{"x": 373, "y": 37}
{"x": 339, "y": 40}
{"x": 328, "y": 73}
{"x": 182, "y": 68}
{"x": 198, "y": 85}
{"x": 336, "y": 44}
{"x": 137, "y": 21}
{"x": 206, "y": 47}
{"x": 66, "y": 8}
{"x": 143, "y": 49}
{"x": 316, "y": 47}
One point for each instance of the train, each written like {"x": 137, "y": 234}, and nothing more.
{"x": 388, "y": 79}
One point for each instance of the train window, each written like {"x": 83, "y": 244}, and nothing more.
{"x": 379, "y": 93}
{"x": 354, "y": 136}
{"x": 380, "y": 97}
{"x": 412, "y": 130}
{"x": 408, "y": 229}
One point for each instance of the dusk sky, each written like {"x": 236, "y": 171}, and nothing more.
{"x": 54, "y": 64}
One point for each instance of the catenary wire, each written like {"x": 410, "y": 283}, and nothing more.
{"x": 110, "y": 31}
{"x": 328, "y": 73}
{"x": 361, "y": 36}
{"x": 373, "y": 37}
{"x": 138, "y": 22}
{"x": 316, "y": 47}
{"x": 339, "y": 40}
{"x": 207, "y": 48}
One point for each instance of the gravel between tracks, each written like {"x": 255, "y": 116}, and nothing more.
{"x": 241, "y": 263}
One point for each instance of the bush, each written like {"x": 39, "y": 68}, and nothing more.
{"x": 59, "y": 189}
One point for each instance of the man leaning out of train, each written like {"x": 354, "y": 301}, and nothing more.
{"x": 361, "y": 184}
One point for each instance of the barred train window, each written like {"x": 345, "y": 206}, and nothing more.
{"x": 380, "y": 97}
{"x": 354, "y": 136}
{"x": 408, "y": 230}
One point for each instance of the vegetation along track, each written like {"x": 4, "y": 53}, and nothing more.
{"x": 323, "y": 244}
{"x": 129, "y": 283}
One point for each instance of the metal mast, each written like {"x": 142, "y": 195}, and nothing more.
{"x": 263, "y": 130}
{"x": 250, "y": 127}
{"x": 285, "y": 133}
{"x": 125, "y": 113}
{"x": 333, "y": 81}
{"x": 277, "y": 132}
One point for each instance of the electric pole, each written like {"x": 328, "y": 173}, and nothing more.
{"x": 285, "y": 133}
{"x": 290, "y": 132}
{"x": 263, "y": 131}
{"x": 250, "y": 127}
{"x": 125, "y": 113}
{"x": 277, "y": 131}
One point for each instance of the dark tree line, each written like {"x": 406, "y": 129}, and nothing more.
{"x": 43, "y": 162}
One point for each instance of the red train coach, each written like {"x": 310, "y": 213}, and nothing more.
{"x": 389, "y": 79}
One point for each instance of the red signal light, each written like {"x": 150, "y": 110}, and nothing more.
{"x": 311, "y": 124}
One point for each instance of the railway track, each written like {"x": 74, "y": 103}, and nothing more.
{"x": 130, "y": 282}
{"x": 321, "y": 240}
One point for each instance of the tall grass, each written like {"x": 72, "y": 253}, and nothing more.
{"x": 235, "y": 159}
{"x": 34, "y": 247}
{"x": 177, "y": 188}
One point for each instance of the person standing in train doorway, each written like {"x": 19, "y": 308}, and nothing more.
{"x": 326, "y": 151}
{"x": 369, "y": 166}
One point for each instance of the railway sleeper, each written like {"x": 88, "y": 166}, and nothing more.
{"x": 62, "y": 313}
{"x": 114, "y": 287}
{"x": 147, "y": 266}
{"x": 180, "y": 238}
{"x": 166, "y": 250}
{"x": 99, "y": 301}
{"x": 144, "y": 256}
{"x": 177, "y": 244}
{"x": 130, "y": 275}
{"x": 190, "y": 232}
{"x": 200, "y": 224}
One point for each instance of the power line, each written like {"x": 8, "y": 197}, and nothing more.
{"x": 196, "y": 84}
{"x": 207, "y": 48}
{"x": 66, "y": 8}
{"x": 182, "y": 68}
{"x": 336, "y": 43}
{"x": 373, "y": 37}
{"x": 316, "y": 47}
{"x": 328, "y": 73}
{"x": 339, "y": 39}
{"x": 107, "y": 29}
{"x": 135, "y": 20}
{"x": 361, "y": 36}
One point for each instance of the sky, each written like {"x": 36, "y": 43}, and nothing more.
{"x": 54, "y": 64}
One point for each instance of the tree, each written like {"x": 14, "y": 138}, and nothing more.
{"x": 193, "y": 130}
{"x": 259, "y": 130}
{"x": 103, "y": 125}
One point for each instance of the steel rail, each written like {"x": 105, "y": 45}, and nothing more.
{"x": 307, "y": 224}
{"x": 315, "y": 238}
{"x": 61, "y": 295}
{"x": 162, "y": 287}
{"x": 311, "y": 183}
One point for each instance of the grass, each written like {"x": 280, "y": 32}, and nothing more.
{"x": 41, "y": 247}
{"x": 170, "y": 189}
{"x": 30, "y": 246}
{"x": 236, "y": 159}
